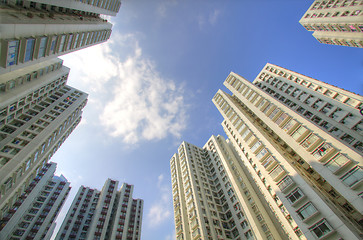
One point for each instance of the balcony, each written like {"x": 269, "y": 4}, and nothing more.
{"x": 285, "y": 183}
{"x": 277, "y": 173}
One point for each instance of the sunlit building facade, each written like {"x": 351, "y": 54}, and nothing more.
{"x": 35, "y": 31}
{"x": 337, "y": 22}
{"x": 300, "y": 140}
{"x": 213, "y": 196}
{"x": 38, "y": 111}
{"x": 33, "y": 214}
{"x": 105, "y": 214}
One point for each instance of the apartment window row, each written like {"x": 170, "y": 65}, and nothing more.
{"x": 28, "y": 49}
{"x": 112, "y": 5}
{"x": 347, "y": 13}
{"x": 335, "y": 113}
{"x": 324, "y": 107}
{"x": 335, "y": 3}
{"x": 37, "y": 155}
{"x": 313, "y": 86}
{"x": 11, "y": 84}
{"x": 335, "y": 28}
{"x": 343, "y": 42}
{"x": 351, "y": 178}
{"x": 293, "y": 197}
{"x": 16, "y": 109}
{"x": 268, "y": 187}
{"x": 321, "y": 150}
{"x": 17, "y": 199}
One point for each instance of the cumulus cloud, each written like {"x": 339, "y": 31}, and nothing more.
{"x": 134, "y": 101}
{"x": 160, "y": 210}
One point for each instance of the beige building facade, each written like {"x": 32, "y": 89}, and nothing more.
{"x": 105, "y": 214}
{"x": 38, "y": 111}
{"x": 214, "y": 197}
{"x": 300, "y": 140}
{"x": 36, "y": 31}
{"x": 336, "y": 22}
{"x": 34, "y": 213}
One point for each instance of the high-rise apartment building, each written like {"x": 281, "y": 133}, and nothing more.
{"x": 301, "y": 141}
{"x": 33, "y": 214}
{"x": 105, "y": 214}
{"x": 38, "y": 111}
{"x": 35, "y": 31}
{"x": 213, "y": 196}
{"x": 337, "y": 22}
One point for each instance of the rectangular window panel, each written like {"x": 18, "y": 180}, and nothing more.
{"x": 310, "y": 141}
{"x": 261, "y": 154}
{"x": 320, "y": 228}
{"x": 12, "y": 56}
{"x": 285, "y": 182}
{"x": 295, "y": 196}
{"x": 29, "y": 49}
{"x": 353, "y": 176}
{"x": 52, "y": 44}
{"x": 75, "y": 41}
{"x": 298, "y": 133}
{"x": 306, "y": 211}
{"x": 281, "y": 118}
{"x": 61, "y": 45}
{"x": 289, "y": 125}
{"x": 255, "y": 146}
{"x": 274, "y": 113}
{"x": 70, "y": 38}
{"x": 42, "y": 46}
{"x": 322, "y": 151}
{"x": 337, "y": 162}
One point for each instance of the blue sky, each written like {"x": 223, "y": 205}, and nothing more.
{"x": 152, "y": 83}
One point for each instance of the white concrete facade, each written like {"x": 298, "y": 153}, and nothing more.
{"x": 213, "y": 196}
{"x": 34, "y": 213}
{"x": 308, "y": 175}
{"x": 36, "y": 31}
{"x": 336, "y": 22}
{"x": 38, "y": 111}
{"x": 105, "y": 214}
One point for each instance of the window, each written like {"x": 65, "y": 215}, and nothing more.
{"x": 61, "y": 45}
{"x": 285, "y": 182}
{"x": 52, "y": 44}
{"x": 42, "y": 46}
{"x": 321, "y": 228}
{"x": 70, "y": 38}
{"x": 244, "y": 224}
{"x": 289, "y": 125}
{"x": 321, "y": 151}
{"x": 353, "y": 176}
{"x": 295, "y": 196}
{"x": 281, "y": 118}
{"x": 274, "y": 113}
{"x": 29, "y": 49}
{"x": 306, "y": 211}
{"x": 261, "y": 154}
{"x": 310, "y": 141}
{"x": 13, "y": 49}
{"x": 255, "y": 146}
{"x": 299, "y": 132}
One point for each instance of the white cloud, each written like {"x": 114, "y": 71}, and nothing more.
{"x": 212, "y": 18}
{"x": 160, "y": 211}
{"x": 134, "y": 101}
{"x": 163, "y": 7}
